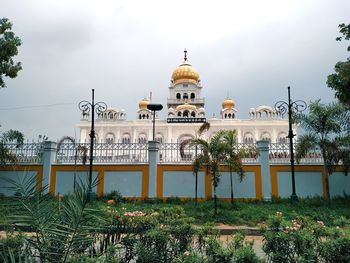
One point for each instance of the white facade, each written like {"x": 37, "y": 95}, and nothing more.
{"x": 185, "y": 112}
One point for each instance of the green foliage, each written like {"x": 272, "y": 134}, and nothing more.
{"x": 11, "y": 248}
{"x": 114, "y": 195}
{"x": 61, "y": 231}
{"x": 336, "y": 250}
{"x": 325, "y": 129}
{"x": 304, "y": 240}
{"x": 11, "y": 136}
{"x": 340, "y": 80}
{"x": 173, "y": 200}
{"x": 234, "y": 251}
{"x": 9, "y": 43}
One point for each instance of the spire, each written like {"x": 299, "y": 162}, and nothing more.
{"x": 185, "y": 57}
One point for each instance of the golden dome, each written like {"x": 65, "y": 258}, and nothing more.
{"x": 143, "y": 104}
{"x": 186, "y": 106}
{"x": 185, "y": 73}
{"x": 228, "y": 104}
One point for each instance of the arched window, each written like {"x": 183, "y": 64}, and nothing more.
{"x": 266, "y": 136}
{"x": 109, "y": 138}
{"x": 186, "y": 113}
{"x": 159, "y": 138}
{"x": 193, "y": 114}
{"x": 184, "y": 137}
{"x": 126, "y": 138}
{"x": 185, "y": 96}
{"x": 140, "y": 116}
{"x": 179, "y": 114}
{"x": 282, "y": 138}
{"x": 248, "y": 138}
{"x": 142, "y": 138}
{"x": 143, "y": 116}
{"x": 178, "y": 96}
{"x": 192, "y": 96}
{"x": 229, "y": 115}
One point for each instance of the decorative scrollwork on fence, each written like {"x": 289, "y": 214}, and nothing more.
{"x": 27, "y": 152}
{"x": 104, "y": 153}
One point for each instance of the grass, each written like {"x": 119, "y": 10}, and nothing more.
{"x": 333, "y": 213}
{"x": 251, "y": 213}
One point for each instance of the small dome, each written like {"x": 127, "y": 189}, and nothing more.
{"x": 185, "y": 73}
{"x": 228, "y": 104}
{"x": 186, "y": 106}
{"x": 143, "y": 104}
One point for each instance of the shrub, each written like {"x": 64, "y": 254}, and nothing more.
{"x": 115, "y": 195}
{"x": 175, "y": 200}
{"x": 287, "y": 243}
{"x": 152, "y": 247}
{"x": 11, "y": 248}
{"x": 335, "y": 250}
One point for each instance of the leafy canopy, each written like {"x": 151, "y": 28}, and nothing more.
{"x": 340, "y": 80}
{"x": 9, "y": 43}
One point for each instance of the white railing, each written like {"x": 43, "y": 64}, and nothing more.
{"x": 138, "y": 153}
{"x": 103, "y": 153}
{"x": 280, "y": 154}
{"x": 26, "y": 152}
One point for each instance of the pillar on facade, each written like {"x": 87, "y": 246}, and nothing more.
{"x": 153, "y": 147}
{"x": 263, "y": 148}
{"x": 48, "y": 159}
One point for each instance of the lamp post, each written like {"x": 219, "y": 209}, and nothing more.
{"x": 154, "y": 108}
{"x": 291, "y": 107}
{"x": 85, "y": 107}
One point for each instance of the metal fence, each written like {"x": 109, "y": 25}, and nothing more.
{"x": 103, "y": 153}
{"x": 280, "y": 154}
{"x": 26, "y": 152}
{"x": 170, "y": 153}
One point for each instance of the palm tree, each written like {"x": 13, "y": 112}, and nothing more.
{"x": 58, "y": 234}
{"x": 324, "y": 128}
{"x": 11, "y": 136}
{"x": 195, "y": 164}
{"x": 233, "y": 156}
{"x": 211, "y": 157}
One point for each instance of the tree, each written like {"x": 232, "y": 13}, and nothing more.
{"x": 233, "y": 156}
{"x": 195, "y": 164}
{"x": 211, "y": 157}
{"x": 58, "y": 234}
{"x": 8, "y": 49}
{"x": 340, "y": 80}
{"x": 11, "y": 136}
{"x": 324, "y": 129}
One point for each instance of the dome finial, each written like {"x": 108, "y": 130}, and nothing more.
{"x": 185, "y": 57}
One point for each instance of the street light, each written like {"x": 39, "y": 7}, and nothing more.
{"x": 291, "y": 107}
{"x": 154, "y": 108}
{"x": 85, "y": 107}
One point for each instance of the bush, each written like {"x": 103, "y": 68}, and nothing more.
{"x": 335, "y": 250}
{"x": 175, "y": 200}
{"x": 115, "y": 195}
{"x": 11, "y": 248}
{"x": 152, "y": 247}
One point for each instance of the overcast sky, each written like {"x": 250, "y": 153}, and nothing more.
{"x": 251, "y": 50}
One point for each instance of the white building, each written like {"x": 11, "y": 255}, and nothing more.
{"x": 185, "y": 113}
